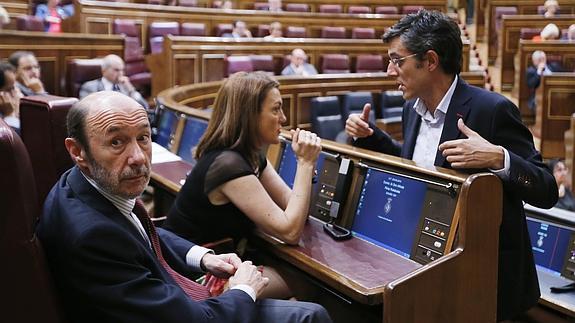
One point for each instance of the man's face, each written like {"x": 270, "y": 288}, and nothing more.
{"x": 298, "y": 58}
{"x": 114, "y": 71}
{"x": 241, "y": 28}
{"x": 28, "y": 68}
{"x": 408, "y": 71}
{"x": 120, "y": 148}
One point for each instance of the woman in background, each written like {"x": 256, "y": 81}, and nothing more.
{"x": 53, "y": 14}
{"x": 561, "y": 173}
{"x": 233, "y": 188}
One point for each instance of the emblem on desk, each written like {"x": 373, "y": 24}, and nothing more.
{"x": 387, "y": 206}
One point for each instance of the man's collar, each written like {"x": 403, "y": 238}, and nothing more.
{"x": 443, "y": 105}
{"x": 125, "y": 206}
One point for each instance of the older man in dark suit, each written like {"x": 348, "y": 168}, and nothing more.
{"x": 109, "y": 262}
{"x": 113, "y": 79}
{"x": 450, "y": 124}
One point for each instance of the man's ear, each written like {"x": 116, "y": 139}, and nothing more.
{"x": 77, "y": 152}
{"x": 432, "y": 60}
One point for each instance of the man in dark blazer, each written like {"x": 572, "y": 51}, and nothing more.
{"x": 102, "y": 252}
{"x": 534, "y": 72}
{"x": 450, "y": 124}
{"x": 113, "y": 79}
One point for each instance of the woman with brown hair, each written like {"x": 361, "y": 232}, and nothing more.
{"x": 233, "y": 188}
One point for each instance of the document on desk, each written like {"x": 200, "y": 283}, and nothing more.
{"x": 162, "y": 155}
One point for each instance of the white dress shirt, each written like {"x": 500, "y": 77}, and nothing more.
{"x": 430, "y": 129}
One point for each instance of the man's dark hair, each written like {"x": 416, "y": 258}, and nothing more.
{"x": 430, "y": 30}
{"x": 14, "y": 59}
{"x": 76, "y": 124}
{"x": 4, "y": 67}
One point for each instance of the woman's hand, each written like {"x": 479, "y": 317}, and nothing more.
{"x": 306, "y": 145}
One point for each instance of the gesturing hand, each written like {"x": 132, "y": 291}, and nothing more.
{"x": 357, "y": 124}
{"x": 473, "y": 152}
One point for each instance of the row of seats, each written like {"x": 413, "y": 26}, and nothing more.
{"x": 338, "y": 8}
{"x": 330, "y": 64}
{"x": 328, "y": 113}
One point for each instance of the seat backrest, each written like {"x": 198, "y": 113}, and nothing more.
{"x": 127, "y": 27}
{"x": 43, "y": 130}
{"x": 500, "y": 11}
{"x": 326, "y": 119}
{"x": 295, "y": 32}
{"x": 263, "y": 30}
{"x": 157, "y": 31}
{"x": 353, "y": 102}
{"x": 391, "y": 103}
{"x": 333, "y": 32}
{"x": 386, "y": 10}
{"x": 529, "y": 33}
{"x": 167, "y": 124}
{"x": 358, "y": 9}
{"x": 410, "y": 9}
{"x": 193, "y": 131}
{"x": 30, "y": 294}
{"x": 192, "y": 29}
{"x": 261, "y": 6}
{"x": 263, "y": 63}
{"x": 188, "y": 3}
{"x": 330, "y": 8}
{"x": 297, "y": 7}
{"x": 369, "y": 64}
{"x": 223, "y": 29}
{"x": 81, "y": 71}
{"x": 30, "y": 23}
{"x": 363, "y": 33}
{"x": 334, "y": 63}
{"x": 238, "y": 63}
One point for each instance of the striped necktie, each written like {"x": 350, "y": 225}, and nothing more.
{"x": 194, "y": 290}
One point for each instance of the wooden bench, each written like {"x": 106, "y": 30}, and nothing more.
{"x": 187, "y": 60}
{"x": 510, "y": 31}
{"x": 440, "y": 5}
{"x": 97, "y": 17}
{"x": 54, "y": 51}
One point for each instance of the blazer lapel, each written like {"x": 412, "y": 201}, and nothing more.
{"x": 458, "y": 109}
{"x": 411, "y": 124}
{"x": 89, "y": 195}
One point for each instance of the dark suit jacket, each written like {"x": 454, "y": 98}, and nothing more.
{"x": 534, "y": 79}
{"x": 106, "y": 272}
{"x": 497, "y": 120}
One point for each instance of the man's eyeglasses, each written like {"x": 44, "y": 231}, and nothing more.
{"x": 399, "y": 61}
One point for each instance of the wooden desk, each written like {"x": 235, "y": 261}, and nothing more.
{"x": 510, "y": 31}
{"x": 54, "y": 51}
{"x": 96, "y": 17}
{"x": 459, "y": 286}
{"x": 553, "y": 49}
